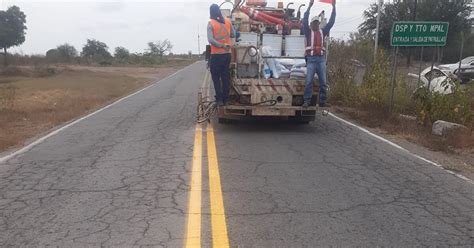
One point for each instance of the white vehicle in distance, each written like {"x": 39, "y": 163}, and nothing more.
{"x": 453, "y": 68}
{"x": 441, "y": 81}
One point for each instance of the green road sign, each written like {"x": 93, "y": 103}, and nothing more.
{"x": 419, "y": 33}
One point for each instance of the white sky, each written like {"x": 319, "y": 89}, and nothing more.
{"x": 134, "y": 23}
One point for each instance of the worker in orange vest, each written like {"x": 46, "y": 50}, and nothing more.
{"x": 219, "y": 34}
{"x": 315, "y": 53}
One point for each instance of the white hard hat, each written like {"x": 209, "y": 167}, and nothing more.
{"x": 315, "y": 18}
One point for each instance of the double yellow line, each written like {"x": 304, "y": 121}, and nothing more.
{"x": 218, "y": 223}
{"x": 193, "y": 234}
{"x": 218, "y": 220}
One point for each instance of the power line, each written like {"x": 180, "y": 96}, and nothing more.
{"x": 340, "y": 23}
{"x": 349, "y": 18}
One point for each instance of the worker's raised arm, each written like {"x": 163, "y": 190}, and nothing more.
{"x": 306, "y": 28}
{"x": 332, "y": 20}
{"x": 210, "y": 37}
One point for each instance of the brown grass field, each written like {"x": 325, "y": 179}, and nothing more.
{"x": 31, "y": 103}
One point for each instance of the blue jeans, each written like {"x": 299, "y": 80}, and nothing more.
{"x": 220, "y": 73}
{"x": 315, "y": 64}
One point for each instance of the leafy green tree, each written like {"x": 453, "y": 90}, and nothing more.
{"x": 121, "y": 54}
{"x": 159, "y": 48}
{"x": 12, "y": 29}
{"x": 67, "y": 53}
{"x": 363, "y": 46}
{"x": 52, "y": 55}
{"x": 96, "y": 51}
{"x": 390, "y": 12}
{"x": 456, "y": 12}
{"x": 62, "y": 54}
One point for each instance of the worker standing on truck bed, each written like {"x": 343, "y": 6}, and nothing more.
{"x": 315, "y": 57}
{"x": 219, "y": 34}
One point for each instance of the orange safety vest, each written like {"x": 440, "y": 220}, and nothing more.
{"x": 221, "y": 32}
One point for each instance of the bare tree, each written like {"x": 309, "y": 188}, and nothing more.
{"x": 159, "y": 48}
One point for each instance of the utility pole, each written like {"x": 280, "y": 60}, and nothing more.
{"x": 415, "y": 14}
{"x": 199, "y": 43}
{"x": 379, "y": 6}
{"x": 461, "y": 52}
{"x": 410, "y": 49}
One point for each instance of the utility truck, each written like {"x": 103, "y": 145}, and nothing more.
{"x": 268, "y": 64}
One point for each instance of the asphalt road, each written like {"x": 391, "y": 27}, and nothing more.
{"x": 122, "y": 178}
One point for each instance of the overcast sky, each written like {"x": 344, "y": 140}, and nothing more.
{"x": 134, "y": 23}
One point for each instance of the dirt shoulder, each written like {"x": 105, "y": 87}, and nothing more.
{"x": 33, "y": 103}
{"x": 418, "y": 140}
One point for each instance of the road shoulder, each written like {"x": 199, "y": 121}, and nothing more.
{"x": 460, "y": 163}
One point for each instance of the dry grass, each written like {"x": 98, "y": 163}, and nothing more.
{"x": 411, "y": 130}
{"x": 38, "y": 104}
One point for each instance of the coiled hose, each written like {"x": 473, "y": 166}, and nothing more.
{"x": 206, "y": 109}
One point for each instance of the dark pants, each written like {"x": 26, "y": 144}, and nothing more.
{"x": 221, "y": 75}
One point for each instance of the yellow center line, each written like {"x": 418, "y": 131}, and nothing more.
{"x": 205, "y": 82}
{"x": 193, "y": 234}
{"x": 218, "y": 221}
{"x": 193, "y": 229}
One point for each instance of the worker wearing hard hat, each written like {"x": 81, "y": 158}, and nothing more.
{"x": 315, "y": 54}
{"x": 219, "y": 34}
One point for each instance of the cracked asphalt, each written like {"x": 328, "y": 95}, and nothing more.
{"x": 121, "y": 177}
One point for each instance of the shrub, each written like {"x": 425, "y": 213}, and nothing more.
{"x": 374, "y": 92}
{"x": 404, "y": 102}
{"x": 7, "y": 96}
{"x": 12, "y": 71}
{"x": 455, "y": 107}
{"x": 44, "y": 71}
{"x": 340, "y": 71}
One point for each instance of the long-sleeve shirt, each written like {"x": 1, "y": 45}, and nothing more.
{"x": 212, "y": 40}
{"x": 326, "y": 29}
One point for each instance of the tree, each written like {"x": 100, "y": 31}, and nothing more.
{"x": 63, "y": 54}
{"x": 67, "y": 53}
{"x": 12, "y": 29}
{"x": 390, "y": 12}
{"x": 52, "y": 55}
{"x": 159, "y": 48}
{"x": 121, "y": 54}
{"x": 96, "y": 51}
{"x": 457, "y": 13}
{"x": 363, "y": 46}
